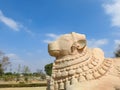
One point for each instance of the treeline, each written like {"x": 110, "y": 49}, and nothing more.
{"x": 22, "y": 77}
{"x": 22, "y": 74}
{"x": 23, "y": 85}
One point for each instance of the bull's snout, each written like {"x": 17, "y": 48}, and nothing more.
{"x": 53, "y": 49}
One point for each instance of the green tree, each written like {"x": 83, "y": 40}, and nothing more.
{"x": 19, "y": 69}
{"x": 117, "y": 52}
{"x": 26, "y": 73}
{"x": 48, "y": 69}
{"x": 40, "y": 73}
{"x": 26, "y": 70}
{"x": 4, "y": 62}
{"x": 1, "y": 70}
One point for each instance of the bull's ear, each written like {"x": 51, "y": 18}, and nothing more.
{"x": 80, "y": 44}
{"x": 77, "y": 46}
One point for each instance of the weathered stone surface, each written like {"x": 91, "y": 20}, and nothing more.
{"x": 78, "y": 67}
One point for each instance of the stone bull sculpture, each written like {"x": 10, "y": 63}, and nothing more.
{"x": 78, "y": 67}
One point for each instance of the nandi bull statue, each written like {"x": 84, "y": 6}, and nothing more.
{"x": 78, "y": 67}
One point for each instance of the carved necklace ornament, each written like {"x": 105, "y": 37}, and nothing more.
{"x": 80, "y": 68}
{"x": 71, "y": 57}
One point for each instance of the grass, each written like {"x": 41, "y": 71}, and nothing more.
{"x": 27, "y": 88}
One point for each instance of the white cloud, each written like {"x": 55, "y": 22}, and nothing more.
{"x": 47, "y": 41}
{"x": 30, "y": 32}
{"x": 117, "y": 42}
{"x": 9, "y": 22}
{"x": 13, "y": 24}
{"x": 27, "y": 30}
{"x": 12, "y": 55}
{"x": 14, "y": 58}
{"x": 113, "y": 9}
{"x": 97, "y": 43}
{"x": 29, "y": 53}
{"x": 116, "y": 33}
{"x": 51, "y": 37}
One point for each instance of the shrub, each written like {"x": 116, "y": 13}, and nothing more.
{"x": 23, "y": 85}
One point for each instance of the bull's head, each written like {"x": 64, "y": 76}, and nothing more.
{"x": 67, "y": 44}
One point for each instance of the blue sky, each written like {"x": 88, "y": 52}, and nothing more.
{"x": 26, "y": 27}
